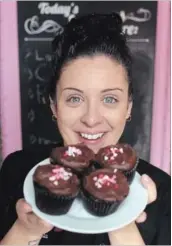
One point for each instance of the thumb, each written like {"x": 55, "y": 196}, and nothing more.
{"x": 23, "y": 207}
{"x": 149, "y": 184}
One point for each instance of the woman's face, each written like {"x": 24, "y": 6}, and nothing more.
{"x": 92, "y": 102}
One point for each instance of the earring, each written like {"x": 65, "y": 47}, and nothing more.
{"x": 54, "y": 118}
{"x": 129, "y": 118}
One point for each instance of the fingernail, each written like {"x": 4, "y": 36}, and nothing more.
{"x": 145, "y": 177}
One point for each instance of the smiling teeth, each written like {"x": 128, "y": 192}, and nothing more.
{"x": 91, "y": 136}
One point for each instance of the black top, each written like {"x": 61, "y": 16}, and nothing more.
{"x": 156, "y": 230}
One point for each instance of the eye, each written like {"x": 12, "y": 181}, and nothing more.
{"x": 74, "y": 100}
{"x": 110, "y": 99}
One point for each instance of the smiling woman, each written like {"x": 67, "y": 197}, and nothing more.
{"x": 91, "y": 103}
{"x": 91, "y": 97}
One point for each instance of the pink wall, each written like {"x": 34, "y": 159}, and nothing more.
{"x": 10, "y": 98}
{"x": 160, "y": 139}
{"x": 9, "y": 77}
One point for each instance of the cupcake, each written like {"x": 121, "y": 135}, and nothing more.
{"x": 55, "y": 188}
{"x": 119, "y": 156}
{"x": 103, "y": 191}
{"x": 77, "y": 157}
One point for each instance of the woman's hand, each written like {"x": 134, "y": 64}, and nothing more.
{"x": 28, "y": 228}
{"x": 152, "y": 194}
{"x": 130, "y": 235}
{"x": 29, "y": 221}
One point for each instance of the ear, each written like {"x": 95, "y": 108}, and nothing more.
{"x": 130, "y": 105}
{"x": 53, "y": 107}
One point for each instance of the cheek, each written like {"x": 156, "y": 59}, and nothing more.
{"x": 117, "y": 121}
{"x": 116, "y": 116}
{"x": 67, "y": 116}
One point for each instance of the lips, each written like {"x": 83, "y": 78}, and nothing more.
{"x": 89, "y": 139}
{"x": 91, "y": 136}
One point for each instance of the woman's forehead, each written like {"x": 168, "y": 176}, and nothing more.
{"x": 95, "y": 71}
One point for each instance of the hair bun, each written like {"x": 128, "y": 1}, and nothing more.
{"x": 97, "y": 22}
{"x": 117, "y": 21}
{"x": 112, "y": 22}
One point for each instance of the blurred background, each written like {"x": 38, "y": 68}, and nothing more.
{"x": 26, "y": 31}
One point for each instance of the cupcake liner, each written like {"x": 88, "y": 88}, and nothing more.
{"x": 130, "y": 174}
{"x": 96, "y": 165}
{"x": 89, "y": 169}
{"x": 51, "y": 203}
{"x": 98, "y": 207}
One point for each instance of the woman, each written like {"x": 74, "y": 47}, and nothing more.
{"x": 91, "y": 97}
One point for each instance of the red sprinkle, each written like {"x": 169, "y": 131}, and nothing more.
{"x": 116, "y": 186}
{"x": 109, "y": 151}
{"x": 65, "y": 154}
{"x": 55, "y": 170}
{"x": 101, "y": 176}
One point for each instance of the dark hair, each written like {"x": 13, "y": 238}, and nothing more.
{"x": 87, "y": 36}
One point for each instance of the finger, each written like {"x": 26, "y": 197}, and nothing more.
{"x": 150, "y": 186}
{"x": 142, "y": 217}
{"x": 47, "y": 225}
{"x": 23, "y": 207}
{"x": 26, "y": 210}
{"x": 33, "y": 219}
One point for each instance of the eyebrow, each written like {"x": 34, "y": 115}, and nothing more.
{"x": 71, "y": 88}
{"x": 112, "y": 89}
{"x": 103, "y": 91}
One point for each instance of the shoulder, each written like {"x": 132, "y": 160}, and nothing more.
{"x": 20, "y": 162}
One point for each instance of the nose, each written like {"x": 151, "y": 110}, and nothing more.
{"x": 92, "y": 115}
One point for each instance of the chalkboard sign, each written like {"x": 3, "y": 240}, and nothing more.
{"x": 39, "y": 22}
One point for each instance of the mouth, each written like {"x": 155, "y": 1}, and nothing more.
{"x": 91, "y": 138}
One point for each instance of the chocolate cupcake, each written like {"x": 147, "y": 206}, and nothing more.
{"x": 119, "y": 156}
{"x": 104, "y": 190}
{"x": 77, "y": 157}
{"x": 56, "y": 188}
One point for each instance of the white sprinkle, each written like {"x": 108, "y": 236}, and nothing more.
{"x": 95, "y": 178}
{"x": 55, "y": 170}
{"x": 106, "y": 158}
{"x": 98, "y": 185}
{"x": 56, "y": 183}
{"x": 115, "y": 170}
{"x": 73, "y": 150}
{"x": 106, "y": 177}
{"x": 52, "y": 178}
{"x": 66, "y": 178}
{"x": 121, "y": 151}
{"x": 115, "y": 154}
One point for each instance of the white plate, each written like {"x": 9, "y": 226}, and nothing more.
{"x": 79, "y": 220}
